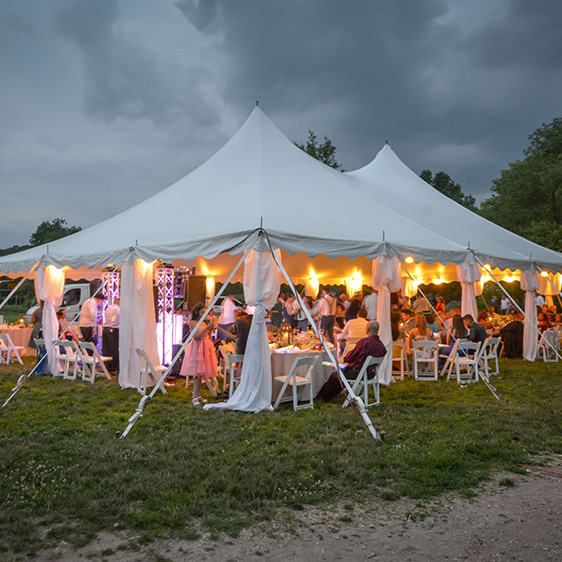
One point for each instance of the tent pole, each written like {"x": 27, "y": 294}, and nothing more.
{"x": 518, "y": 307}
{"x": 22, "y": 378}
{"x": 145, "y": 399}
{"x": 351, "y": 396}
{"x": 20, "y": 283}
{"x": 482, "y": 376}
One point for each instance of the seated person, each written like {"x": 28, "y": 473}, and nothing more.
{"x": 476, "y": 332}
{"x": 420, "y": 332}
{"x": 355, "y": 328}
{"x": 484, "y": 320}
{"x": 457, "y": 332}
{"x": 512, "y": 337}
{"x": 543, "y": 322}
{"x": 368, "y": 346}
{"x": 407, "y": 320}
{"x": 66, "y": 333}
{"x": 493, "y": 317}
{"x": 431, "y": 322}
{"x": 421, "y": 305}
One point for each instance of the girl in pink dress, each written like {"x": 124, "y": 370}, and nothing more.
{"x": 200, "y": 360}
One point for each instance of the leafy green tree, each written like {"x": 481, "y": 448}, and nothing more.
{"x": 442, "y": 182}
{"x": 48, "y": 231}
{"x": 324, "y": 152}
{"x": 527, "y": 197}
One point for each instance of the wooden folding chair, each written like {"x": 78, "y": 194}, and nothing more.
{"x": 403, "y": 368}
{"x": 363, "y": 382}
{"x": 426, "y": 360}
{"x": 148, "y": 372}
{"x": 234, "y": 370}
{"x": 91, "y": 361}
{"x": 69, "y": 355}
{"x": 297, "y": 382}
{"x": 8, "y": 349}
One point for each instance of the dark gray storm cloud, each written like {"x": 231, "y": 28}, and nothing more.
{"x": 119, "y": 98}
{"x": 462, "y": 98}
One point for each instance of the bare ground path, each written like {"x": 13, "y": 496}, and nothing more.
{"x": 513, "y": 518}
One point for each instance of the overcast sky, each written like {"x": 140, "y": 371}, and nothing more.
{"x": 105, "y": 102}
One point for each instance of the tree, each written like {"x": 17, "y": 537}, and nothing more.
{"x": 48, "y": 231}
{"x": 442, "y": 182}
{"x": 324, "y": 152}
{"x": 527, "y": 197}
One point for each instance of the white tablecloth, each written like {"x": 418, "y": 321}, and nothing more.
{"x": 281, "y": 365}
{"x": 20, "y": 336}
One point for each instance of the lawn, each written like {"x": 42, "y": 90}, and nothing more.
{"x": 65, "y": 474}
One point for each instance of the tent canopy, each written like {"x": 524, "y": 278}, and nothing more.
{"x": 260, "y": 179}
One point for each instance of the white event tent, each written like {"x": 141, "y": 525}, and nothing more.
{"x": 327, "y": 225}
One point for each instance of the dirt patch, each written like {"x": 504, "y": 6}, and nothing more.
{"x": 515, "y": 517}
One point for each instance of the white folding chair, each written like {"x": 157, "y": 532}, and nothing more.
{"x": 91, "y": 361}
{"x": 8, "y": 349}
{"x": 234, "y": 370}
{"x": 68, "y": 355}
{"x": 549, "y": 344}
{"x": 225, "y": 350}
{"x": 426, "y": 360}
{"x": 363, "y": 382}
{"x": 297, "y": 382}
{"x": 450, "y": 360}
{"x": 402, "y": 368}
{"x": 350, "y": 344}
{"x": 468, "y": 358}
{"x": 490, "y": 353}
{"x": 149, "y": 372}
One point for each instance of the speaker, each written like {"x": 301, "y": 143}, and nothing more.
{"x": 195, "y": 290}
{"x": 177, "y": 365}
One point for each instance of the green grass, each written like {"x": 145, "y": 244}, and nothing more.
{"x": 65, "y": 474}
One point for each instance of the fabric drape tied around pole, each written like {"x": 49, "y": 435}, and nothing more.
{"x": 49, "y": 287}
{"x": 262, "y": 279}
{"x": 468, "y": 274}
{"x": 137, "y": 322}
{"x": 530, "y": 283}
{"x": 386, "y": 279}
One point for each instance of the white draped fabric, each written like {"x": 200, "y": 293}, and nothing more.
{"x": 137, "y": 322}
{"x": 49, "y": 287}
{"x": 547, "y": 285}
{"x": 530, "y": 283}
{"x": 311, "y": 287}
{"x": 468, "y": 274}
{"x": 386, "y": 279}
{"x": 409, "y": 288}
{"x": 262, "y": 279}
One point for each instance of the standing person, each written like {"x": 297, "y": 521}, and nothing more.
{"x": 440, "y": 306}
{"x": 505, "y": 305}
{"x": 340, "y": 311}
{"x": 227, "y": 319}
{"x": 370, "y": 303}
{"x": 353, "y": 308}
{"x": 421, "y": 305}
{"x": 302, "y": 320}
{"x": 494, "y": 303}
{"x": 327, "y": 314}
{"x": 200, "y": 360}
{"x": 276, "y": 312}
{"x": 37, "y": 321}
{"x": 88, "y": 318}
{"x": 110, "y": 336}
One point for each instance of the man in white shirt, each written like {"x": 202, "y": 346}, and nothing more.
{"x": 110, "y": 336}
{"x": 227, "y": 317}
{"x": 88, "y": 318}
{"x": 420, "y": 306}
{"x": 539, "y": 300}
{"x": 370, "y": 303}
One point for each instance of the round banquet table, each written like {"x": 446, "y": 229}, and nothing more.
{"x": 281, "y": 363}
{"x": 20, "y": 336}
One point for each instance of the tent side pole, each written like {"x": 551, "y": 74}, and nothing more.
{"x": 482, "y": 376}
{"x": 518, "y": 307}
{"x": 352, "y": 397}
{"x": 22, "y": 378}
{"x": 145, "y": 399}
